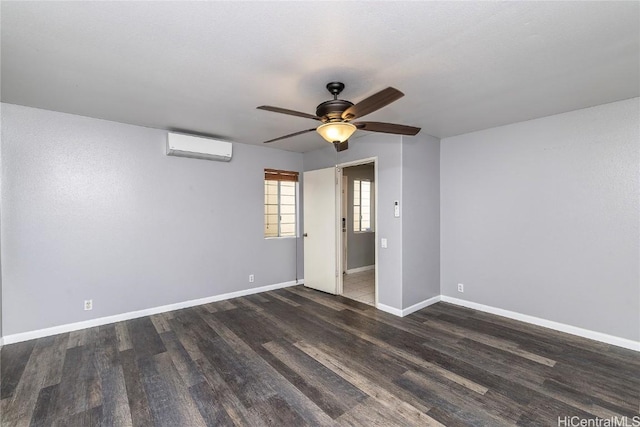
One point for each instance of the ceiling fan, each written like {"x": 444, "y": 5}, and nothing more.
{"x": 336, "y": 116}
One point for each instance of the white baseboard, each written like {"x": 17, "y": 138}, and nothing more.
{"x": 70, "y": 327}
{"x": 407, "y": 311}
{"x": 419, "y": 306}
{"x": 389, "y": 309}
{"x": 562, "y": 327}
{"x": 360, "y": 269}
{"x": 585, "y": 333}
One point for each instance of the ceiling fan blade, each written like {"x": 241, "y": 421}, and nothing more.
{"x": 387, "y": 128}
{"x": 289, "y": 112}
{"x": 372, "y": 103}
{"x": 290, "y": 135}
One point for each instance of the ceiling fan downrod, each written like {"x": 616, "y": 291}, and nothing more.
{"x": 335, "y": 88}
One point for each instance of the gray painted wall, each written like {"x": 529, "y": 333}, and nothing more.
{"x": 420, "y": 212}
{"x": 388, "y": 150}
{"x": 541, "y": 218}
{"x": 361, "y": 247}
{"x": 94, "y": 209}
{"x": 1, "y": 334}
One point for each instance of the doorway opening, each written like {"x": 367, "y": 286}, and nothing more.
{"x": 358, "y": 231}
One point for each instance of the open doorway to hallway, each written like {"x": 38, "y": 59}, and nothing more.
{"x": 358, "y": 232}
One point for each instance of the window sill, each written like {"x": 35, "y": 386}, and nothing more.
{"x": 281, "y": 238}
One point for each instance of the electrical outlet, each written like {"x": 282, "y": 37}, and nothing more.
{"x": 251, "y": 278}
{"x": 460, "y": 287}
{"x": 88, "y": 304}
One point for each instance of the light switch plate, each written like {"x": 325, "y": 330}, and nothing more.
{"x": 383, "y": 242}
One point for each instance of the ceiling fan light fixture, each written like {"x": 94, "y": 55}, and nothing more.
{"x": 336, "y": 131}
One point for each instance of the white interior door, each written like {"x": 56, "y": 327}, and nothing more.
{"x": 320, "y": 236}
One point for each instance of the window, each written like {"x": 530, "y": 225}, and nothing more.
{"x": 280, "y": 193}
{"x": 361, "y": 205}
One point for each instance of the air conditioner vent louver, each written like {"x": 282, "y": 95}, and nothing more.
{"x": 181, "y": 145}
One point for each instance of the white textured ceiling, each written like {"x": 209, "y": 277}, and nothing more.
{"x": 203, "y": 67}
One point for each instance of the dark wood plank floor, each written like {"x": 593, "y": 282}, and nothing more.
{"x": 296, "y": 357}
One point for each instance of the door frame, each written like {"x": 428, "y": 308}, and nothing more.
{"x": 344, "y": 214}
{"x": 340, "y": 256}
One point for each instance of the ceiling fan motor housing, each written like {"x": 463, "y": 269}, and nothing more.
{"x": 331, "y": 111}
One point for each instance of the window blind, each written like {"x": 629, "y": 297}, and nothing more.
{"x": 280, "y": 175}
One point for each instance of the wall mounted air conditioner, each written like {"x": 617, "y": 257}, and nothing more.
{"x": 181, "y": 145}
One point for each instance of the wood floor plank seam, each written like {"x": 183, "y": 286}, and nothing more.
{"x": 409, "y": 357}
